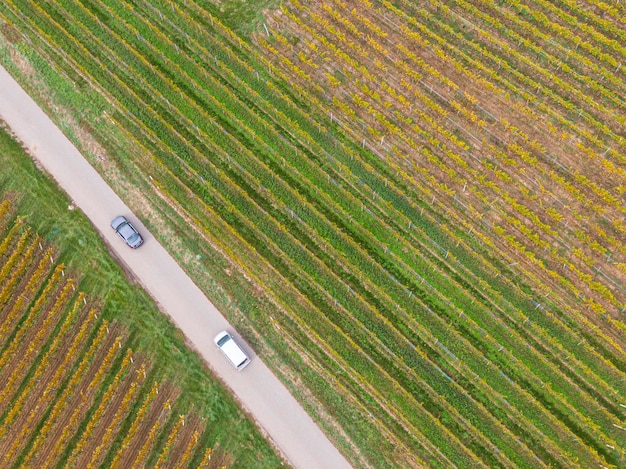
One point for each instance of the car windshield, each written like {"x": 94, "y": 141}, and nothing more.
{"x": 133, "y": 238}
{"x": 223, "y": 340}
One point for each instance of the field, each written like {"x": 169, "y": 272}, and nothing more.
{"x": 414, "y": 211}
{"x": 88, "y": 380}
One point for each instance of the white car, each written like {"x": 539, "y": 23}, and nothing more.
{"x": 232, "y": 350}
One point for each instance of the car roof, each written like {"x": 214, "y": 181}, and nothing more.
{"x": 127, "y": 231}
{"x": 234, "y": 353}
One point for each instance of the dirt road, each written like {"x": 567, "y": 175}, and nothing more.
{"x": 261, "y": 393}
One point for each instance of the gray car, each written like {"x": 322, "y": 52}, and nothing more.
{"x": 127, "y": 232}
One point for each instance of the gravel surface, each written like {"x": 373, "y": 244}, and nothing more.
{"x": 260, "y": 392}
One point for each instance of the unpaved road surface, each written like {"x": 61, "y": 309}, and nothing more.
{"x": 260, "y": 392}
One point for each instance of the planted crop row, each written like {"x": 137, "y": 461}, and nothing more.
{"x": 460, "y": 183}
{"x": 364, "y": 74}
{"x": 527, "y": 191}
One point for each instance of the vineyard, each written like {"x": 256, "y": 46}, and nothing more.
{"x": 74, "y": 394}
{"x": 419, "y": 206}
